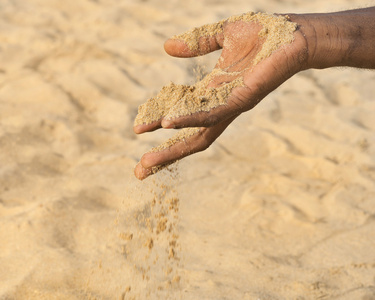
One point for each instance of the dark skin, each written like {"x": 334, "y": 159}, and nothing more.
{"x": 320, "y": 41}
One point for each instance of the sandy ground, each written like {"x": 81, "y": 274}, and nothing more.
{"x": 282, "y": 206}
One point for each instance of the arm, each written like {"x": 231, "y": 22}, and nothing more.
{"x": 319, "y": 41}
{"x": 339, "y": 39}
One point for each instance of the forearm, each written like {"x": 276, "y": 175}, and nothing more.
{"x": 339, "y": 39}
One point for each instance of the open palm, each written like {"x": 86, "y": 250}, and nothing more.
{"x": 241, "y": 44}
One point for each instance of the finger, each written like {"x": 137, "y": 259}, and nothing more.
{"x": 152, "y": 162}
{"x": 173, "y": 149}
{"x": 200, "y": 119}
{"x": 140, "y": 172}
{"x": 141, "y": 128}
{"x": 198, "y": 41}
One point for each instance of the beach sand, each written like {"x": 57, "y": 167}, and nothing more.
{"x": 281, "y": 206}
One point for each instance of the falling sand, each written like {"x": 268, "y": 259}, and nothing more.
{"x": 175, "y": 100}
{"x": 154, "y": 249}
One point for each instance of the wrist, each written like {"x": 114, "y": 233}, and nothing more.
{"x": 338, "y": 39}
{"x": 324, "y": 47}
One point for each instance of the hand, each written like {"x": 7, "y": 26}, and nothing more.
{"x": 241, "y": 44}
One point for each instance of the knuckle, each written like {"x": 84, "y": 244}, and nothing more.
{"x": 211, "y": 120}
{"x": 204, "y": 143}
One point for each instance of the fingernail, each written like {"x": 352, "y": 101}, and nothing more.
{"x": 141, "y": 173}
{"x": 167, "y": 124}
{"x": 147, "y": 172}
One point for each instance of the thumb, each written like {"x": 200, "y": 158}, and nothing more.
{"x": 197, "y": 41}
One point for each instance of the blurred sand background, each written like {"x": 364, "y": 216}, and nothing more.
{"x": 282, "y": 206}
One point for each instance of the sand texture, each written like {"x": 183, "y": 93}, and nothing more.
{"x": 281, "y": 206}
